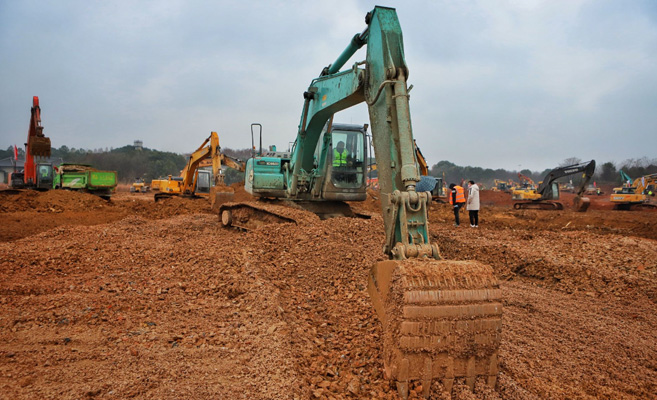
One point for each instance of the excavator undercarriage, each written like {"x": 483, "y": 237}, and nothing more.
{"x": 251, "y": 215}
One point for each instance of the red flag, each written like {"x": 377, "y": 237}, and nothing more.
{"x": 15, "y": 152}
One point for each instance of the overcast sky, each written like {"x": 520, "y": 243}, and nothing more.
{"x": 498, "y": 84}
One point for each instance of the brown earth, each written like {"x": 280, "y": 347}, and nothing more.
{"x": 132, "y": 298}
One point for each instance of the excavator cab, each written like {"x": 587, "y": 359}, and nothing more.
{"x": 554, "y": 195}
{"x": 347, "y": 168}
{"x": 44, "y": 176}
{"x": 203, "y": 182}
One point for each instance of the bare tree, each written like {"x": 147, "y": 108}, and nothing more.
{"x": 570, "y": 161}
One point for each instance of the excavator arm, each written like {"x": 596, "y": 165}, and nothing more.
{"x": 625, "y": 178}
{"x": 189, "y": 172}
{"x": 441, "y": 319}
{"x": 524, "y": 178}
{"x": 37, "y": 146}
{"x": 587, "y": 168}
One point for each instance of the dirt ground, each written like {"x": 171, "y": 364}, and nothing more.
{"x": 136, "y": 299}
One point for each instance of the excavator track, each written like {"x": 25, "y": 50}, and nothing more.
{"x": 251, "y": 215}
{"x": 643, "y": 207}
{"x": 538, "y": 205}
{"x": 441, "y": 321}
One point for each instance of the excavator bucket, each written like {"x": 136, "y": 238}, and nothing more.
{"x": 220, "y": 195}
{"x": 39, "y": 146}
{"x": 441, "y": 321}
{"x": 581, "y": 204}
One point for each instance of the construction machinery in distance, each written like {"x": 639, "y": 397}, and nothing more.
{"x": 195, "y": 182}
{"x": 626, "y": 178}
{"x": 37, "y": 172}
{"x": 85, "y": 178}
{"x": 441, "y": 319}
{"x": 638, "y": 195}
{"x": 427, "y": 182}
{"x": 546, "y": 195}
{"x": 501, "y": 186}
{"x": 139, "y": 186}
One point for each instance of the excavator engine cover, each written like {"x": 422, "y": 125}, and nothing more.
{"x": 441, "y": 321}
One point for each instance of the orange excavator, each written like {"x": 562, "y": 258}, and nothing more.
{"x": 37, "y": 173}
{"x": 525, "y": 181}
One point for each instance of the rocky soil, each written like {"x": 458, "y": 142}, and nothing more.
{"x": 136, "y": 299}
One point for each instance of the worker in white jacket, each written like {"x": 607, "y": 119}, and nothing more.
{"x": 473, "y": 204}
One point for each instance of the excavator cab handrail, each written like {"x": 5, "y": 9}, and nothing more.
{"x": 253, "y": 148}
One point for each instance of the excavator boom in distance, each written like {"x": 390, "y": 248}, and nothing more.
{"x": 37, "y": 172}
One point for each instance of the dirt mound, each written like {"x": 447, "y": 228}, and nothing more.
{"x": 240, "y": 193}
{"x": 495, "y": 198}
{"x": 28, "y": 212}
{"x": 159, "y": 301}
{"x": 164, "y": 208}
{"x": 50, "y": 201}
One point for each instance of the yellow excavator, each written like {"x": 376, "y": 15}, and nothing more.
{"x": 441, "y": 319}
{"x": 139, "y": 186}
{"x": 196, "y": 182}
{"x": 640, "y": 195}
{"x": 546, "y": 195}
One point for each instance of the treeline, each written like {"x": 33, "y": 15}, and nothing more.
{"x": 606, "y": 173}
{"x": 131, "y": 163}
{"x": 127, "y": 161}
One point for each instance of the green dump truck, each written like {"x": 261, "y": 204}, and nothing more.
{"x": 84, "y": 177}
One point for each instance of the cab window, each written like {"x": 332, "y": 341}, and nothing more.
{"x": 347, "y": 157}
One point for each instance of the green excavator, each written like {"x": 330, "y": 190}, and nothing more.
{"x": 441, "y": 319}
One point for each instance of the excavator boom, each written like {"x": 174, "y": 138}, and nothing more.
{"x": 37, "y": 172}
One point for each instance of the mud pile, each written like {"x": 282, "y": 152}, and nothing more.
{"x": 50, "y": 201}
{"x": 179, "y": 307}
{"x": 28, "y": 212}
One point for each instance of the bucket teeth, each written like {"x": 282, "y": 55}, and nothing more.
{"x": 441, "y": 321}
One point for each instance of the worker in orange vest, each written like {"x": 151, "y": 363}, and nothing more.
{"x": 456, "y": 199}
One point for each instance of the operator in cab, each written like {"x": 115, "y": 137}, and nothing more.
{"x": 340, "y": 155}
